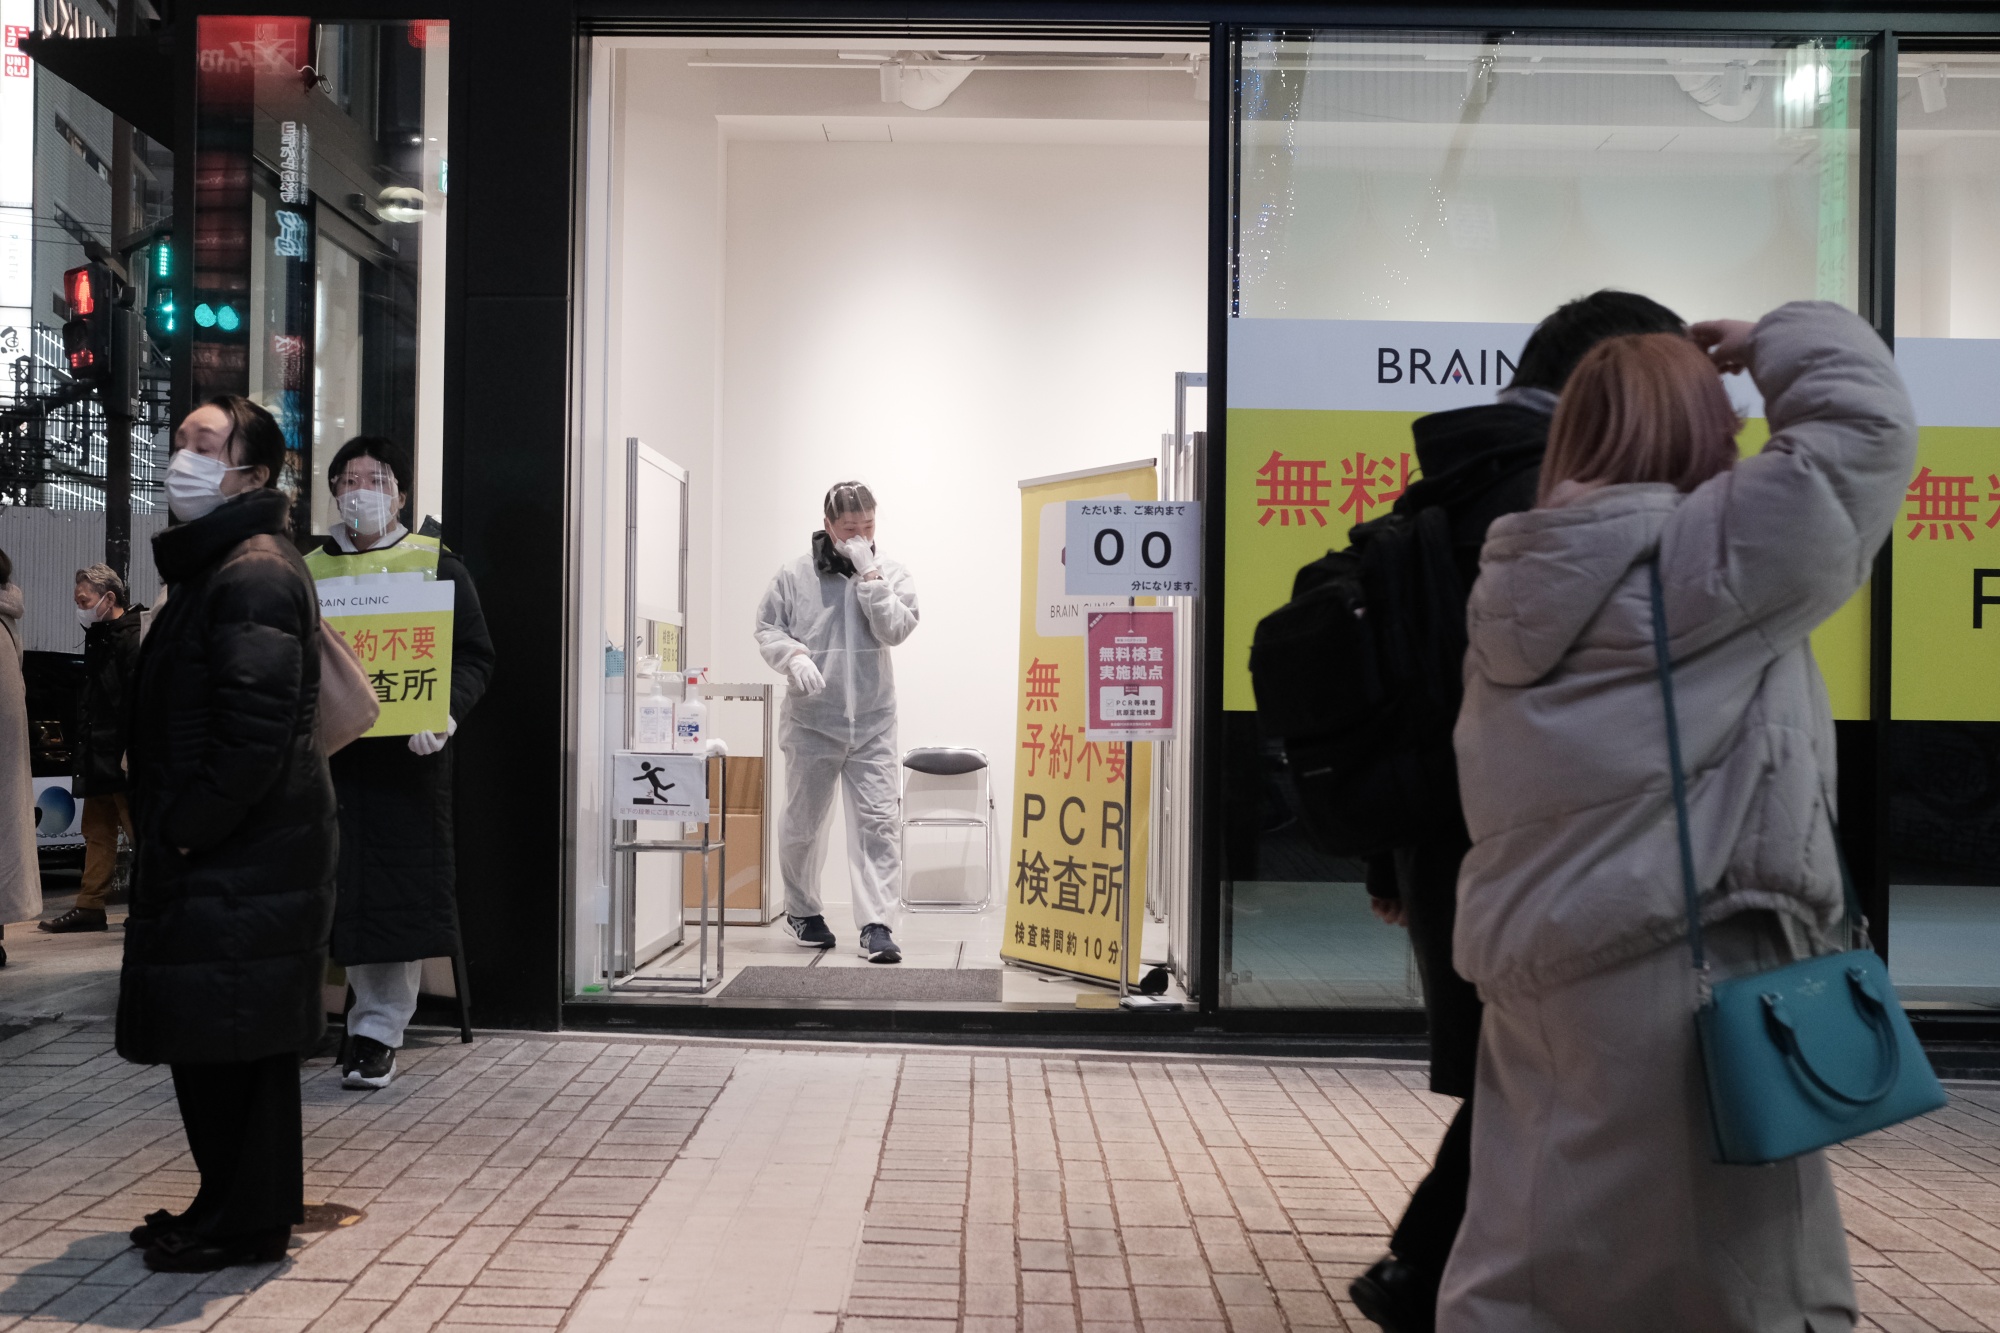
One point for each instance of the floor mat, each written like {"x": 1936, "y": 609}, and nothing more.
{"x": 941, "y": 985}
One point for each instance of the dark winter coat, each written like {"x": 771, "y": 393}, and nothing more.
{"x": 1479, "y": 463}
{"x": 225, "y": 951}
{"x": 110, "y": 657}
{"x": 398, "y": 876}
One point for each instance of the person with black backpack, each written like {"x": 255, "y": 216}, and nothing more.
{"x": 1382, "y": 779}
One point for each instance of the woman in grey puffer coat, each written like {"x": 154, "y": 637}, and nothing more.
{"x": 1595, "y": 1200}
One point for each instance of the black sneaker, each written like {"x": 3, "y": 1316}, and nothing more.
{"x": 75, "y": 919}
{"x": 809, "y": 931}
{"x": 370, "y": 1064}
{"x": 877, "y": 946}
{"x": 1397, "y": 1297}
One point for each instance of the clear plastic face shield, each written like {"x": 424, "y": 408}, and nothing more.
{"x": 368, "y": 496}
{"x": 849, "y": 512}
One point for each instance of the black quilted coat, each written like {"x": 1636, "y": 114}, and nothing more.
{"x": 226, "y": 946}
{"x": 398, "y": 869}
{"x": 110, "y": 656}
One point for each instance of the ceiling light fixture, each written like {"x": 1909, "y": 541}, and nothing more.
{"x": 1930, "y": 89}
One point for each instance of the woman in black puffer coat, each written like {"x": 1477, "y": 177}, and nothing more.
{"x": 232, "y": 899}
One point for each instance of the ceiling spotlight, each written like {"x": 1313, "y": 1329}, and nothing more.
{"x": 922, "y": 80}
{"x": 400, "y": 203}
{"x": 1729, "y": 94}
{"x": 1930, "y": 89}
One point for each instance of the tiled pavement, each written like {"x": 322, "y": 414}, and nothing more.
{"x": 635, "y": 1185}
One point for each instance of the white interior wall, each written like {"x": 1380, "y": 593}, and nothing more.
{"x": 942, "y": 321}
{"x": 1948, "y": 237}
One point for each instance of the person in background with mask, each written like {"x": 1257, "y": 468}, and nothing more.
{"x": 110, "y": 656}
{"x": 398, "y": 900}
{"x": 232, "y": 894}
{"x": 827, "y": 623}
{"x": 20, "y": 872}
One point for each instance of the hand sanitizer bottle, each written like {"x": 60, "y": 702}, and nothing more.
{"x": 653, "y": 724}
{"x": 691, "y": 718}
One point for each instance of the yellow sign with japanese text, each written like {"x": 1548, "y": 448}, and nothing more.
{"x": 400, "y": 628}
{"x": 1067, "y": 828}
{"x": 1299, "y": 479}
{"x": 1945, "y": 551}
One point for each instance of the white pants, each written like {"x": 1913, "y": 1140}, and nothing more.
{"x": 385, "y": 996}
{"x": 1595, "y": 1202}
{"x": 815, "y": 764}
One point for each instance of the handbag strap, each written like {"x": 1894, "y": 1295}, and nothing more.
{"x": 1689, "y": 891}
{"x": 1857, "y": 924}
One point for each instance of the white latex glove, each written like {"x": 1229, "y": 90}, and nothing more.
{"x": 429, "y": 742}
{"x": 806, "y": 678}
{"x": 861, "y": 553}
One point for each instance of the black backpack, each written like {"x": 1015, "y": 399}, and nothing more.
{"x": 1359, "y": 676}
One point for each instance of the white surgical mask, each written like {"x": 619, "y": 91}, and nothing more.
{"x": 87, "y": 616}
{"x": 369, "y": 513}
{"x": 194, "y": 484}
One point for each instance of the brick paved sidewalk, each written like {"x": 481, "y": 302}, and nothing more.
{"x": 621, "y": 1186}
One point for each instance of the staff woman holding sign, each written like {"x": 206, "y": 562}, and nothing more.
{"x": 398, "y": 900}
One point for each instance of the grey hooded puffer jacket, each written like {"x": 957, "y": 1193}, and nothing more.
{"x": 1561, "y": 741}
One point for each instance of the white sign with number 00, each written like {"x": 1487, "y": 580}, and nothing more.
{"x": 1132, "y": 548}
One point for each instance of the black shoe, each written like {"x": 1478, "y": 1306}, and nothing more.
{"x": 878, "y": 946}
{"x": 809, "y": 931}
{"x": 1400, "y": 1297}
{"x": 76, "y": 919}
{"x": 175, "y": 1253}
{"x": 370, "y": 1064}
{"x": 156, "y": 1225}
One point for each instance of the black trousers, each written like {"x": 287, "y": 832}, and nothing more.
{"x": 1427, "y": 879}
{"x": 244, "y": 1129}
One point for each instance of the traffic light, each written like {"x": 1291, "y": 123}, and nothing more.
{"x": 91, "y": 293}
{"x": 162, "y": 314}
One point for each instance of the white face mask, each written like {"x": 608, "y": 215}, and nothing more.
{"x": 194, "y": 484}
{"x": 369, "y": 513}
{"x": 87, "y": 616}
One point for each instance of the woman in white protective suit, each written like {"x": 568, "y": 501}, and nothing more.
{"x": 828, "y": 622}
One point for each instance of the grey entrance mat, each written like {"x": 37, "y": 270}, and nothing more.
{"x": 882, "y": 981}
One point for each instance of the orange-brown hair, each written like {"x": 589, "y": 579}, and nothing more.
{"x": 1642, "y": 407}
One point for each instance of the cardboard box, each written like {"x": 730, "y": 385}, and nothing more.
{"x": 746, "y": 784}
{"x": 745, "y": 888}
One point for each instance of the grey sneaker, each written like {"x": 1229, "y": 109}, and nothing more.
{"x": 370, "y": 1064}
{"x": 877, "y": 946}
{"x": 809, "y": 931}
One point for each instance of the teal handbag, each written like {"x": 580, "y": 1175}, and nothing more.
{"x": 1802, "y": 1056}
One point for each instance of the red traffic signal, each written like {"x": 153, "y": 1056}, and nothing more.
{"x": 79, "y": 291}
{"x": 87, "y": 334}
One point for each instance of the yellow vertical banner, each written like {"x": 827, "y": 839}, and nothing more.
{"x": 1067, "y": 825}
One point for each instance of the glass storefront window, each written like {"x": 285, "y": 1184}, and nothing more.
{"x": 1944, "y": 737}
{"x": 968, "y": 278}
{"x": 318, "y": 244}
{"x": 1407, "y": 207}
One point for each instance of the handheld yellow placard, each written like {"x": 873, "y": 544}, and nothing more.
{"x": 401, "y": 630}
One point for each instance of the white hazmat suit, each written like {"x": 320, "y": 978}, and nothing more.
{"x": 845, "y": 735}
